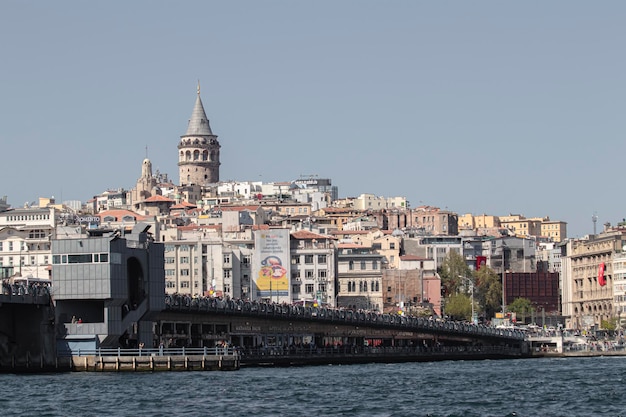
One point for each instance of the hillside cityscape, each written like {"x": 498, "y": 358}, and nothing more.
{"x": 298, "y": 241}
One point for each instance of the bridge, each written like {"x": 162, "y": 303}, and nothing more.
{"x": 27, "y": 334}
{"x": 285, "y": 335}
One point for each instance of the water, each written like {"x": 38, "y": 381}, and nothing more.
{"x": 529, "y": 387}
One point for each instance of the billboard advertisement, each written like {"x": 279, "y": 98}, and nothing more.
{"x": 271, "y": 265}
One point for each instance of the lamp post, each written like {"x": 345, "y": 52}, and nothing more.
{"x": 471, "y": 283}
{"x": 503, "y": 281}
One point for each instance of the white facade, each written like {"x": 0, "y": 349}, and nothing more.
{"x": 25, "y": 241}
{"x": 619, "y": 287}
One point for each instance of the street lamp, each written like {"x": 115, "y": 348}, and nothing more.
{"x": 503, "y": 280}
{"x": 471, "y": 283}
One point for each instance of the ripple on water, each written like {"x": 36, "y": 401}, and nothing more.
{"x": 520, "y": 388}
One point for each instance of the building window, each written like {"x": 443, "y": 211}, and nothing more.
{"x": 308, "y": 288}
{"x": 321, "y": 259}
{"x": 308, "y": 259}
{"x": 246, "y": 260}
{"x": 184, "y": 259}
{"x": 363, "y": 265}
{"x": 374, "y": 265}
{"x": 351, "y": 265}
{"x": 227, "y": 258}
{"x": 295, "y": 260}
{"x": 184, "y": 273}
{"x": 169, "y": 260}
{"x": 227, "y": 273}
{"x": 308, "y": 273}
{"x": 392, "y": 245}
{"x": 170, "y": 273}
{"x": 295, "y": 288}
{"x": 322, "y": 273}
{"x": 184, "y": 284}
{"x": 79, "y": 259}
{"x": 170, "y": 284}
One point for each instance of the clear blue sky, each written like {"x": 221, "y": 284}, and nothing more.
{"x": 475, "y": 106}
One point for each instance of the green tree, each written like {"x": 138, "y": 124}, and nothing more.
{"x": 459, "y": 307}
{"x": 610, "y": 324}
{"x": 452, "y": 267}
{"x": 522, "y": 307}
{"x": 488, "y": 290}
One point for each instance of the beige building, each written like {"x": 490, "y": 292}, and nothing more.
{"x": 434, "y": 221}
{"x": 482, "y": 221}
{"x": 338, "y": 216}
{"x": 586, "y": 302}
{"x": 555, "y": 230}
{"x": 372, "y": 202}
{"x": 537, "y": 226}
{"x": 389, "y": 246}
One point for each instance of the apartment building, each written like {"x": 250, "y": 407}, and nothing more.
{"x": 587, "y": 278}
{"x": 359, "y": 277}
{"x": 313, "y": 270}
{"x": 25, "y": 241}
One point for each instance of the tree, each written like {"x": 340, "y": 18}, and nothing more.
{"x": 521, "y": 306}
{"x": 610, "y": 324}
{"x": 452, "y": 266}
{"x": 488, "y": 290}
{"x": 459, "y": 307}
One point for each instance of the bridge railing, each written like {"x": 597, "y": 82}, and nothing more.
{"x": 161, "y": 351}
{"x": 345, "y": 316}
{"x": 270, "y": 351}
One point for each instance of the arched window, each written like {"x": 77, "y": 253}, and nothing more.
{"x": 196, "y": 155}
{"x": 205, "y": 156}
{"x": 188, "y": 156}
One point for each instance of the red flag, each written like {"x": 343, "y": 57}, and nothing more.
{"x": 601, "y": 278}
{"x": 480, "y": 261}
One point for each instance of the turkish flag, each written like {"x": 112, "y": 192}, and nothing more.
{"x": 480, "y": 261}
{"x": 601, "y": 278}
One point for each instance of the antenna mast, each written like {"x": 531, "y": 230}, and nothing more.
{"x": 594, "y": 219}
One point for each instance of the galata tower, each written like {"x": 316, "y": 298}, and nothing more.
{"x": 198, "y": 150}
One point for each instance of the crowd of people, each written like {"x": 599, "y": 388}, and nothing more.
{"x": 17, "y": 288}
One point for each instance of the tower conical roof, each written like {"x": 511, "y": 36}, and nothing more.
{"x": 198, "y": 124}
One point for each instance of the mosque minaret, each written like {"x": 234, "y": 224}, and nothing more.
{"x": 198, "y": 150}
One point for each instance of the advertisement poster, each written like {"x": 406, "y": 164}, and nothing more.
{"x": 271, "y": 265}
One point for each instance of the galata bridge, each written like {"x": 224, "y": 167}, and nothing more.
{"x": 286, "y": 335}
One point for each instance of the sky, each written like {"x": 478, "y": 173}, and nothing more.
{"x": 475, "y": 107}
